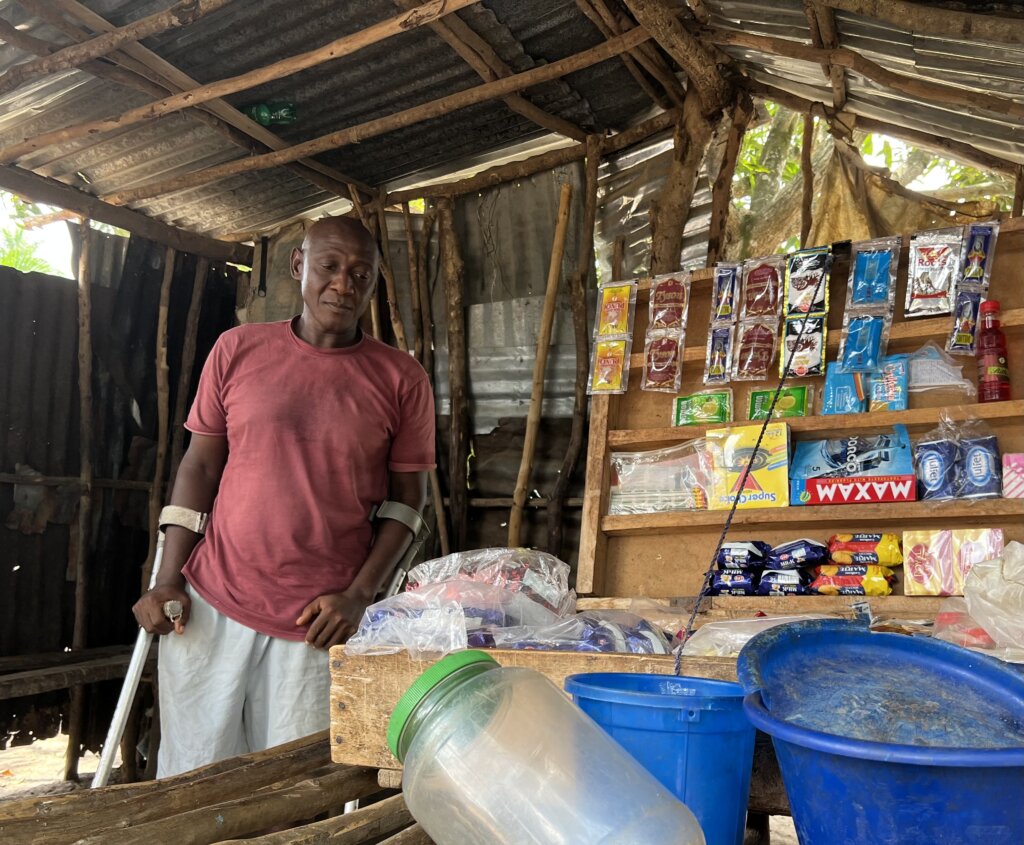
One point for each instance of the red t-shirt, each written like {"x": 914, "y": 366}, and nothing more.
{"x": 312, "y": 434}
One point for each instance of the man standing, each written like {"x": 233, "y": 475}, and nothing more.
{"x": 299, "y": 429}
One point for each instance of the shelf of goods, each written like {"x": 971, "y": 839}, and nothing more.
{"x": 664, "y": 555}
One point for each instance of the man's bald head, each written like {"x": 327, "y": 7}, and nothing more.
{"x": 328, "y": 227}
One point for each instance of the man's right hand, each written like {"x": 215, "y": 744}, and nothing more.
{"x": 149, "y": 609}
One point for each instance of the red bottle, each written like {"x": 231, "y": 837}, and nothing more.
{"x": 993, "y": 369}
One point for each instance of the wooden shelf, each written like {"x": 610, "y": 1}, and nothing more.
{"x": 741, "y": 606}
{"x": 901, "y": 512}
{"x": 917, "y": 419}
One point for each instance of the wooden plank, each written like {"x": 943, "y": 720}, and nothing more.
{"x": 414, "y": 835}
{"x": 33, "y": 682}
{"x": 589, "y": 569}
{"x": 748, "y": 606}
{"x": 365, "y": 689}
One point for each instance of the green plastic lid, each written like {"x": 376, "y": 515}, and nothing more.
{"x": 444, "y": 668}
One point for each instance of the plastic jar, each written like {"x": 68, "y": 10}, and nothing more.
{"x": 500, "y": 756}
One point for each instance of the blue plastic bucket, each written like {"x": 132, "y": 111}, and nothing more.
{"x": 690, "y": 733}
{"x": 887, "y": 739}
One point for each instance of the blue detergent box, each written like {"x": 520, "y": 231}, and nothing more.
{"x": 854, "y": 470}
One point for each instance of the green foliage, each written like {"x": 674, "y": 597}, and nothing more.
{"x": 21, "y": 254}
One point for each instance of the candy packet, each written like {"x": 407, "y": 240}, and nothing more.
{"x": 806, "y": 347}
{"x": 807, "y": 281}
{"x": 872, "y": 281}
{"x": 878, "y": 549}
{"x": 663, "y": 362}
{"x": 979, "y": 249}
{"x": 889, "y": 385}
{"x": 723, "y": 292}
{"x": 704, "y": 408}
{"x": 616, "y": 302}
{"x": 845, "y": 393}
{"x": 609, "y": 367}
{"x": 934, "y": 264}
{"x": 794, "y": 401}
{"x": 669, "y": 302}
{"x": 762, "y": 286}
{"x": 719, "y": 354}
{"x": 755, "y": 349}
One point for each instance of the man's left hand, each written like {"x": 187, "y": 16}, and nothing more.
{"x": 332, "y": 618}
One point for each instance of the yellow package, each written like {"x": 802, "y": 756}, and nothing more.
{"x": 853, "y": 580}
{"x": 767, "y": 485}
{"x": 878, "y": 549}
{"x": 613, "y": 311}
{"x": 609, "y": 366}
{"x": 928, "y": 563}
{"x": 972, "y": 546}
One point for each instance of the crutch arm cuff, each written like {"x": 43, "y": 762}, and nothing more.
{"x": 194, "y": 521}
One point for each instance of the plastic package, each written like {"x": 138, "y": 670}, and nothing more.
{"x": 616, "y": 305}
{"x": 794, "y": 401}
{"x": 609, "y": 367}
{"x": 972, "y": 286}
{"x": 663, "y": 362}
{"x": 872, "y": 280}
{"x": 958, "y": 461}
{"x": 704, "y": 408}
{"x": 785, "y": 582}
{"x": 733, "y": 582}
{"x": 806, "y": 346}
{"x": 719, "y": 355}
{"x": 732, "y": 449}
{"x": 863, "y": 343}
{"x": 994, "y": 592}
{"x": 604, "y": 631}
{"x": 740, "y": 554}
{"x": 727, "y": 638}
{"x": 877, "y": 549}
{"x": 963, "y": 336}
{"x": 755, "y": 349}
{"x": 669, "y": 302}
{"x": 844, "y": 393}
{"x": 807, "y": 274}
{"x": 762, "y": 286}
{"x": 954, "y": 624}
{"x": 853, "y": 580}
{"x": 932, "y": 369}
{"x": 889, "y": 386}
{"x": 1013, "y": 475}
{"x": 539, "y": 576}
{"x": 934, "y": 265}
{"x": 797, "y": 554}
{"x": 979, "y": 252}
{"x": 676, "y": 478}
{"x": 723, "y": 293}
{"x": 936, "y": 563}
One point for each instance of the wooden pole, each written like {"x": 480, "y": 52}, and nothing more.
{"x": 391, "y": 122}
{"x": 807, "y": 172}
{"x": 721, "y": 192}
{"x": 76, "y": 708}
{"x": 458, "y": 450}
{"x": 188, "y": 359}
{"x": 618, "y": 257}
{"x": 387, "y": 272}
{"x": 547, "y": 319}
{"x": 180, "y": 14}
{"x": 156, "y": 495}
{"x": 1018, "y": 193}
{"x": 577, "y": 284}
{"x": 935, "y": 20}
{"x": 340, "y": 47}
{"x": 414, "y": 284}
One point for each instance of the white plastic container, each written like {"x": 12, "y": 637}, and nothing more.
{"x": 499, "y": 756}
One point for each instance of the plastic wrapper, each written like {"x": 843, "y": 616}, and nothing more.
{"x": 972, "y": 287}
{"x": 863, "y": 343}
{"x": 979, "y": 248}
{"x": 954, "y": 624}
{"x": 755, "y": 349}
{"x": 609, "y": 367}
{"x": 676, "y": 478}
{"x": 844, "y": 393}
{"x": 877, "y": 549}
{"x": 872, "y": 281}
{"x": 727, "y": 638}
{"x": 890, "y": 384}
{"x": 933, "y": 370}
{"x": 616, "y": 303}
{"x": 739, "y": 554}
{"x": 934, "y": 266}
{"x": 669, "y": 302}
{"x": 704, "y": 408}
{"x": 602, "y": 631}
{"x": 807, "y": 274}
{"x": 853, "y": 580}
{"x": 963, "y": 336}
{"x": 958, "y": 461}
{"x": 979, "y": 470}
{"x": 1013, "y": 475}
{"x": 797, "y": 554}
{"x": 794, "y": 401}
{"x": 539, "y": 576}
{"x": 733, "y": 450}
{"x": 785, "y": 582}
{"x": 803, "y": 341}
{"x": 937, "y": 563}
{"x": 733, "y": 582}
{"x": 719, "y": 355}
{"x": 438, "y": 618}
{"x": 994, "y": 592}
{"x": 663, "y": 362}
{"x": 723, "y": 293}
{"x": 936, "y": 456}
{"x": 762, "y": 287}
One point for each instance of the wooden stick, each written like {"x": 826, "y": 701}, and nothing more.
{"x": 72, "y": 481}
{"x": 156, "y": 495}
{"x": 618, "y": 257}
{"x": 458, "y": 452}
{"x": 916, "y": 87}
{"x": 389, "y": 123}
{"x": 388, "y": 273}
{"x": 547, "y": 319}
{"x": 426, "y": 303}
{"x": 659, "y": 17}
{"x": 1018, "y": 193}
{"x": 340, "y": 47}
{"x": 830, "y": 38}
{"x": 180, "y": 14}
{"x": 47, "y": 679}
{"x": 936, "y": 20}
{"x": 414, "y": 284}
{"x": 721, "y": 192}
{"x": 76, "y": 709}
{"x": 188, "y": 359}
{"x": 414, "y": 835}
{"x": 577, "y": 284}
{"x": 49, "y": 191}
{"x": 537, "y": 164}
{"x": 807, "y": 172}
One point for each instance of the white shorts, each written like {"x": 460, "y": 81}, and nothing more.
{"x": 227, "y": 690}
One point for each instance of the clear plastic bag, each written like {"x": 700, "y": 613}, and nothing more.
{"x": 958, "y": 460}
{"x": 994, "y": 593}
{"x": 933, "y": 369}
{"x": 539, "y": 576}
{"x": 676, "y": 478}
{"x": 604, "y": 631}
{"x": 727, "y": 638}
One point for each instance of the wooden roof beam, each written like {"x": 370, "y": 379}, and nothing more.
{"x": 480, "y": 56}
{"x": 340, "y": 47}
{"x": 51, "y": 192}
{"x": 175, "y": 79}
{"x": 937, "y": 20}
{"x": 830, "y": 37}
{"x": 180, "y": 14}
{"x": 373, "y": 128}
